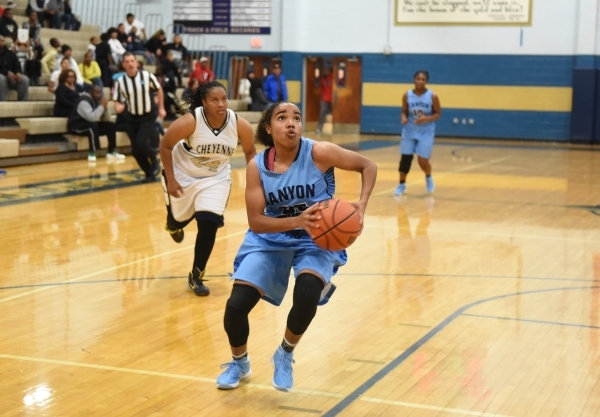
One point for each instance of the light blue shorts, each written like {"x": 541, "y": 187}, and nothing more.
{"x": 422, "y": 147}
{"x": 266, "y": 260}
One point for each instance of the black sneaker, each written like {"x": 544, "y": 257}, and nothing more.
{"x": 148, "y": 180}
{"x": 156, "y": 167}
{"x": 196, "y": 282}
{"x": 176, "y": 235}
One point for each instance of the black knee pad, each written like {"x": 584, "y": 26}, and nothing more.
{"x": 307, "y": 293}
{"x": 405, "y": 163}
{"x": 242, "y": 300}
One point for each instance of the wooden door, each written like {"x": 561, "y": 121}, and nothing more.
{"x": 347, "y": 95}
{"x": 312, "y": 93}
{"x": 239, "y": 67}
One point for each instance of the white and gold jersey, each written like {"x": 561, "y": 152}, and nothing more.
{"x": 206, "y": 153}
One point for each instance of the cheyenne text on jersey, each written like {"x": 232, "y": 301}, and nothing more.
{"x": 215, "y": 148}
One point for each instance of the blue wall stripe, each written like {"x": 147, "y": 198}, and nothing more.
{"x": 519, "y": 70}
{"x": 585, "y": 61}
{"x": 488, "y": 123}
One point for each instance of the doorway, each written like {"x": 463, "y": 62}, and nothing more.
{"x": 346, "y": 96}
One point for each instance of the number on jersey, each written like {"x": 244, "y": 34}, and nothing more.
{"x": 205, "y": 162}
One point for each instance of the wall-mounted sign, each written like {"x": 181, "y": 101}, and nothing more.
{"x": 463, "y": 12}
{"x": 222, "y": 17}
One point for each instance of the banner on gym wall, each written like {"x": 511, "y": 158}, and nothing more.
{"x": 463, "y": 12}
{"x": 222, "y": 17}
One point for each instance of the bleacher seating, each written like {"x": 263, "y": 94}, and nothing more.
{"x": 36, "y": 115}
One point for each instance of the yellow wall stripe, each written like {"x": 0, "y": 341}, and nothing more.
{"x": 480, "y": 97}
{"x": 294, "y": 91}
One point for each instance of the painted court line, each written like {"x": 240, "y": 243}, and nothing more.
{"x": 114, "y": 268}
{"x": 433, "y": 407}
{"x": 553, "y": 323}
{"x": 154, "y": 373}
{"x": 446, "y": 174}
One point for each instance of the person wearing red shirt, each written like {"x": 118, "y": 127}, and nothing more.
{"x": 326, "y": 98}
{"x": 202, "y": 72}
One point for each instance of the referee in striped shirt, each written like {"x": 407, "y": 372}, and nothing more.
{"x": 133, "y": 92}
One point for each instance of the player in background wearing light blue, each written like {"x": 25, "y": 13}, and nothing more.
{"x": 420, "y": 109}
{"x": 284, "y": 184}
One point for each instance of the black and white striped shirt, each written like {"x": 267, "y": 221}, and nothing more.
{"x": 136, "y": 92}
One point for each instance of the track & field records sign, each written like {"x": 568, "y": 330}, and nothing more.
{"x": 463, "y": 12}
{"x": 235, "y": 17}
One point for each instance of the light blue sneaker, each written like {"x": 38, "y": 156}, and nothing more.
{"x": 283, "y": 378}
{"x": 430, "y": 185}
{"x": 236, "y": 370}
{"x": 400, "y": 189}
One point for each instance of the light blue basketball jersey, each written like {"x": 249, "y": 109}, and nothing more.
{"x": 265, "y": 260}
{"x": 290, "y": 193}
{"x": 417, "y": 106}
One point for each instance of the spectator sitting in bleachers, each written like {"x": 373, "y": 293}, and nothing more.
{"x": 26, "y": 57}
{"x": 67, "y": 52}
{"x": 49, "y": 59}
{"x": 88, "y": 118}
{"x": 131, "y": 21}
{"x": 35, "y": 6}
{"x": 8, "y": 27}
{"x": 94, "y": 41}
{"x": 180, "y": 53}
{"x": 156, "y": 45}
{"x": 189, "y": 91}
{"x": 9, "y": 5}
{"x": 171, "y": 72}
{"x": 116, "y": 47}
{"x": 66, "y": 94}
{"x": 202, "y": 72}
{"x": 65, "y": 64}
{"x": 35, "y": 28}
{"x": 104, "y": 59}
{"x": 53, "y": 13}
{"x": 90, "y": 71}
{"x": 135, "y": 43}
{"x": 122, "y": 35}
{"x": 71, "y": 21}
{"x": 11, "y": 74}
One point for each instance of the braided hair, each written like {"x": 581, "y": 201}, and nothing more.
{"x": 200, "y": 94}
{"x": 261, "y": 134}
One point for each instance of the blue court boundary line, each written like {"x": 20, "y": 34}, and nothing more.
{"x": 71, "y": 179}
{"x": 554, "y": 323}
{"x": 353, "y": 396}
{"x": 105, "y": 281}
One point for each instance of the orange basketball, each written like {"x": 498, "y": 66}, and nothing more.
{"x": 339, "y": 225}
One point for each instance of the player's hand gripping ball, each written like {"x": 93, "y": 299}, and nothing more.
{"x": 339, "y": 225}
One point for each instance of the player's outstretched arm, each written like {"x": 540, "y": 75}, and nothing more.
{"x": 327, "y": 155}
{"x": 246, "y": 136}
{"x": 256, "y": 204}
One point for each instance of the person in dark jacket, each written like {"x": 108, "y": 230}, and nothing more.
{"x": 104, "y": 59}
{"x": 66, "y": 93}
{"x": 259, "y": 98}
{"x": 180, "y": 53}
{"x": 8, "y": 27}
{"x": 86, "y": 119}
{"x": 10, "y": 74}
{"x": 156, "y": 46}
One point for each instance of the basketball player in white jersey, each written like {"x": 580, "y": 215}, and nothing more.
{"x": 195, "y": 153}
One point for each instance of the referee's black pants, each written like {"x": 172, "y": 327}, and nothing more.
{"x": 93, "y": 131}
{"x": 142, "y": 134}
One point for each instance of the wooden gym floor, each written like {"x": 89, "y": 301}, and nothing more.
{"x": 481, "y": 300}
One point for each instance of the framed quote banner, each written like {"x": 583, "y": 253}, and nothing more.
{"x": 463, "y": 12}
{"x": 222, "y": 17}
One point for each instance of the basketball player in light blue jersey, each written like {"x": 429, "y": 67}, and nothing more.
{"x": 283, "y": 186}
{"x": 420, "y": 109}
